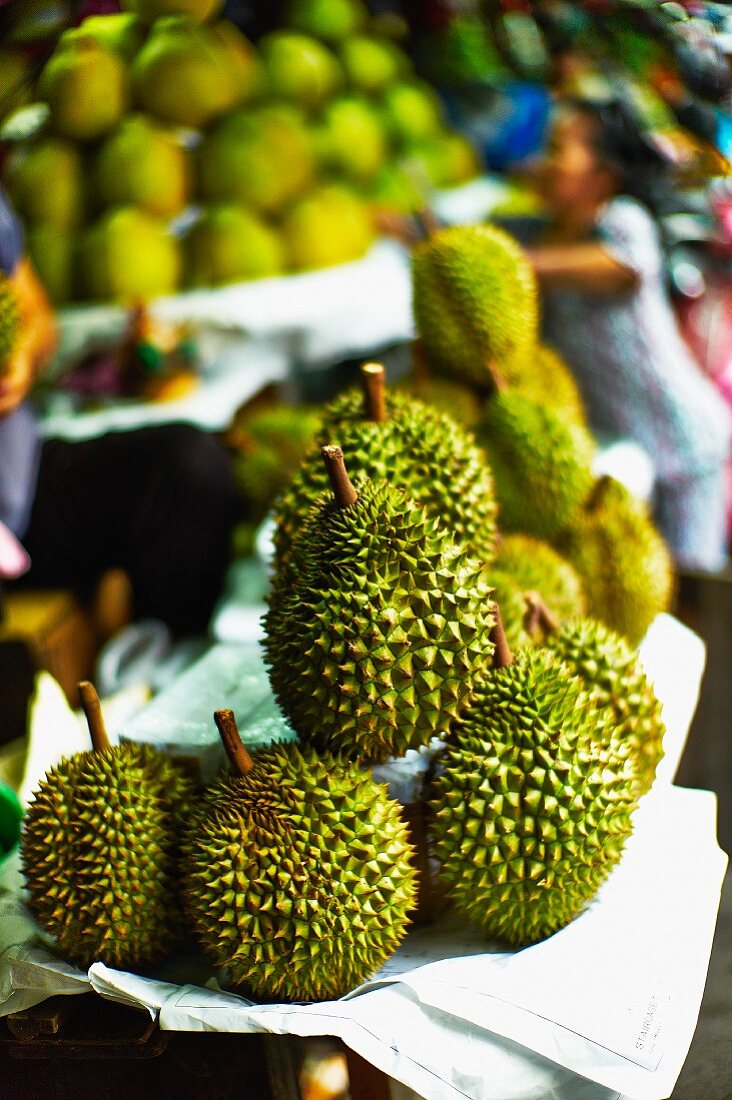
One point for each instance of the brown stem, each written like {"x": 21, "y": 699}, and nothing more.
{"x": 343, "y": 491}
{"x": 599, "y": 489}
{"x": 373, "y": 380}
{"x": 426, "y": 221}
{"x": 420, "y": 365}
{"x": 240, "y": 760}
{"x": 538, "y": 617}
{"x": 94, "y": 717}
{"x": 502, "y": 655}
{"x": 499, "y": 384}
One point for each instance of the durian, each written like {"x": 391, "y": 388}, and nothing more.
{"x": 613, "y": 674}
{"x": 541, "y": 465}
{"x": 388, "y": 434}
{"x": 475, "y": 305}
{"x": 549, "y": 382}
{"x": 9, "y": 321}
{"x": 100, "y": 850}
{"x": 622, "y": 560}
{"x": 526, "y": 565}
{"x": 379, "y": 625}
{"x": 297, "y": 872}
{"x": 533, "y": 804}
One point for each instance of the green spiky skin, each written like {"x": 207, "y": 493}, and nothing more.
{"x": 535, "y": 566}
{"x": 419, "y": 449}
{"x": 269, "y": 444}
{"x": 541, "y": 465}
{"x": 378, "y": 627}
{"x": 531, "y": 812}
{"x": 298, "y": 877}
{"x": 612, "y": 673}
{"x": 622, "y": 560}
{"x": 9, "y": 322}
{"x": 475, "y": 302}
{"x": 100, "y": 855}
{"x": 549, "y": 382}
{"x": 446, "y": 394}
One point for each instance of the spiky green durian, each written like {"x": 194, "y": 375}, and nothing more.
{"x": 298, "y": 875}
{"x": 613, "y": 674}
{"x": 9, "y": 321}
{"x": 446, "y": 394}
{"x": 379, "y": 624}
{"x": 269, "y": 443}
{"x": 533, "y": 805}
{"x": 548, "y": 381}
{"x": 534, "y": 566}
{"x": 100, "y": 852}
{"x": 475, "y": 304}
{"x": 541, "y": 465}
{"x": 622, "y": 560}
{"x": 425, "y": 452}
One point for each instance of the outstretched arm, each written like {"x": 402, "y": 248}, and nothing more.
{"x": 585, "y": 266}
{"x": 37, "y": 340}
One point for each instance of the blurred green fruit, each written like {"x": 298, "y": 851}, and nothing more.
{"x": 230, "y": 244}
{"x": 263, "y": 158}
{"x": 15, "y": 82}
{"x": 352, "y": 138}
{"x": 198, "y": 11}
{"x": 413, "y": 112}
{"x": 394, "y": 189}
{"x": 458, "y": 160}
{"x": 372, "y": 64}
{"x": 143, "y": 164}
{"x": 51, "y": 252}
{"x": 331, "y": 20}
{"x": 300, "y": 68}
{"x": 85, "y": 86}
{"x": 128, "y": 256}
{"x": 190, "y": 75}
{"x": 329, "y": 226}
{"x": 45, "y": 180}
{"x": 123, "y": 33}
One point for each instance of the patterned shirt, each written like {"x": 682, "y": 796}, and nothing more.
{"x": 636, "y": 374}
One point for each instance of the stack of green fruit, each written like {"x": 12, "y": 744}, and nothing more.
{"x": 279, "y": 153}
{"x": 476, "y": 309}
{"x": 296, "y": 872}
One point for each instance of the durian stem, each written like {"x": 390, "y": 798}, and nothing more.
{"x": 538, "y": 616}
{"x": 499, "y": 382}
{"x": 240, "y": 760}
{"x": 426, "y": 221}
{"x": 94, "y": 717}
{"x": 420, "y": 365}
{"x": 599, "y": 489}
{"x": 502, "y": 655}
{"x": 343, "y": 491}
{"x": 373, "y": 380}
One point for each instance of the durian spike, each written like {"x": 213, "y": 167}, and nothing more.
{"x": 373, "y": 380}
{"x": 599, "y": 489}
{"x": 240, "y": 760}
{"x": 343, "y": 491}
{"x": 538, "y": 616}
{"x": 94, "y": 717}
{"x": 502, "y": 655}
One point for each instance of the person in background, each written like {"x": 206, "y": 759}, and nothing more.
{"x": 600, "y": 268}
{"x": 157, "y": 502}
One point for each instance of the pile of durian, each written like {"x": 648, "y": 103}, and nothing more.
{"x": 428, "y": 582}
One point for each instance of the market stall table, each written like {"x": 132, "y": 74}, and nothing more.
{"x": 606, "y": 1007}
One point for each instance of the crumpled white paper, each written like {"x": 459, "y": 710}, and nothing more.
{"x": 605, "y": 1008}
